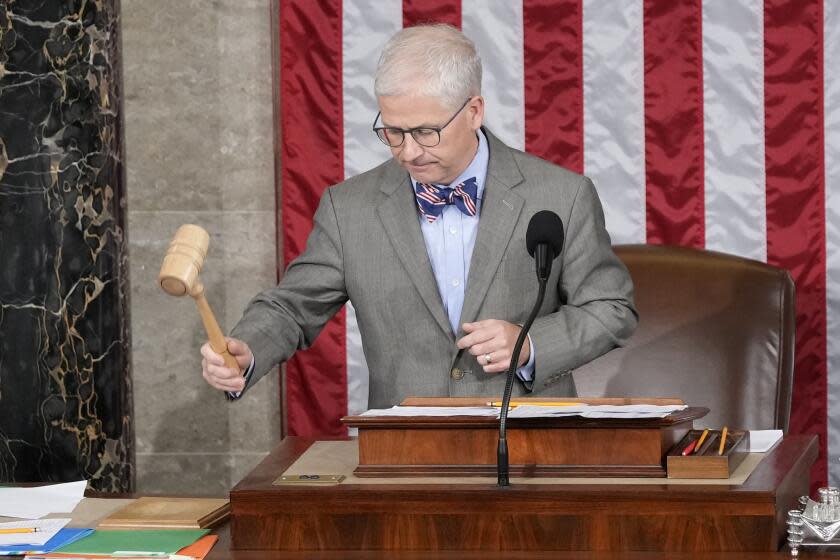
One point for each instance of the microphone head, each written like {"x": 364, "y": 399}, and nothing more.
{"x": 183, "y": 260}
{"x": 545, "y": 227}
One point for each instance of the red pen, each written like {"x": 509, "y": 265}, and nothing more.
{"x": 689, "y": 448}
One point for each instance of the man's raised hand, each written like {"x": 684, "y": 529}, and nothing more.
{"x": 215, "y": 372}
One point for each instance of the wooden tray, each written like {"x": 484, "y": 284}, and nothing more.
{"x": 706, "y": 463}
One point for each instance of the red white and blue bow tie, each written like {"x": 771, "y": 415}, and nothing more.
{"x": 431, "y": 200}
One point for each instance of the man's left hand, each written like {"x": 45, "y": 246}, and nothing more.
{"x": 495, "y": 339}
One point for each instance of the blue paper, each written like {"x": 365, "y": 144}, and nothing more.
{"x": 64, "y": 537}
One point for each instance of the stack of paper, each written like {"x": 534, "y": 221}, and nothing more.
{"x": 39, "y": 535}
{"x": 36, "y": 532}
{"x": 63, "y": 537}
{"x": 42, "y": 535}
{"x": 764, "y": 440}
{"x": 196, "y": 551}
{"x": 124, "y": 545}
{"x": 49, "y": 538}
{"x": 625, "y": 411}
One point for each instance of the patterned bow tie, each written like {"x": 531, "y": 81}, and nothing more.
{"x": 431, "y": 199}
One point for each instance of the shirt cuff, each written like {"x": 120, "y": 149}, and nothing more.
{"x": 231, "y": 395}
{"x": 526, "y": 372}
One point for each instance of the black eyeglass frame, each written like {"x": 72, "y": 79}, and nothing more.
{"x": 380, "y": 131}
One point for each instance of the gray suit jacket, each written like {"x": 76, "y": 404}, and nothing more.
{"x": 366, "y": 245}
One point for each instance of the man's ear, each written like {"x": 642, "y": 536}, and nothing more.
{"x": 476, "y": 112}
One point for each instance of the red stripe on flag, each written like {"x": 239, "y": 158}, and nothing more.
{"x": 312, "y": 122}
{"x": 674, "y": 122}
{"x": 416, "y": 12}
{"x": 793, "y": 103}
{"x": 553, "y": 58}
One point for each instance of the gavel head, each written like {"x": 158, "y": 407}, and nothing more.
{"x": 183, "y": 261}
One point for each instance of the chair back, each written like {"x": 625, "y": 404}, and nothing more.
{"x": 715, "y": 330}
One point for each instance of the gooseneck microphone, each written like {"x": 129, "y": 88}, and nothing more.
{"x": 544, "y": 241}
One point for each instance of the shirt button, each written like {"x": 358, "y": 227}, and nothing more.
{"x": 453, "y": 230}
{"x": 456, "y": 282}
{"x": 457, "y": 374}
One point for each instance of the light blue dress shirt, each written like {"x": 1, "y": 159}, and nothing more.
{"x": 450, "y": 241}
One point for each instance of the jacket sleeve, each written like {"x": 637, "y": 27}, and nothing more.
{"x": 597, "y": 313}
{"x": 288, "y": 317}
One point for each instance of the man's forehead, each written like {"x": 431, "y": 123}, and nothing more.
{"x": 406, "y": 111}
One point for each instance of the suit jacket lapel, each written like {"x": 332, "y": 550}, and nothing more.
{"x": 500, "y": 210}
{"x": 398, "y": 214}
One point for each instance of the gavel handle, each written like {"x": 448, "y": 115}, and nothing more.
{"x": 214, "y": 332}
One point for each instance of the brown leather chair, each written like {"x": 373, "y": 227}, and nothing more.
{"x": 714, "y": 330}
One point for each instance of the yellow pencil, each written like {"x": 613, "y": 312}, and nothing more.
{"x": 16, "y": 531}
{"x": 534, "y": 403}
{"x": 701, "y": 440}
{"x": 722, "y": 441}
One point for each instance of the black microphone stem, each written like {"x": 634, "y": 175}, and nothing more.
{"x": 502, "y": 451}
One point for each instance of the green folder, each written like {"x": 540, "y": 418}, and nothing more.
{"x": 164, "y": 541}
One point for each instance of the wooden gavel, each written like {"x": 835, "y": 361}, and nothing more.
{"x": 179, "y": 277}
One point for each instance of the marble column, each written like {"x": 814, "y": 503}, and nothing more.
{"x": 65, "y": 389}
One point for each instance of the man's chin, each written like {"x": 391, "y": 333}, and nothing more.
{"x": 427, "y": 174}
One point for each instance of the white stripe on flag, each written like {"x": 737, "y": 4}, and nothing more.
{"x": 831, "y": 61}
{"x": 366, "y": 26}
{"x": 733, "y": 122}
{"x": 498, "y": 34}
{"x": 613, "y": 113}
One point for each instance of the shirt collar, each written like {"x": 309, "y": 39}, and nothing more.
{"x": 477, "y": 167}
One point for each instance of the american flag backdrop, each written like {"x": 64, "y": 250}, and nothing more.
{"x": 707, "y": 123}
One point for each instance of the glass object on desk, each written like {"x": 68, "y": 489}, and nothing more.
{"x": 815, "y": 523}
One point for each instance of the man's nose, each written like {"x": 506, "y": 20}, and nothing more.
{"x": 411, "y": 150}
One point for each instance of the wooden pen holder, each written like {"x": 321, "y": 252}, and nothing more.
{"x": 706, "y": 462}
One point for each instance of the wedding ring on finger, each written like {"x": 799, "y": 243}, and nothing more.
{"x": 487, "y": 359}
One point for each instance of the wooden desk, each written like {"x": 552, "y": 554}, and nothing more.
{"x": 664, "y": 521}
{"x": 222, "y": 551}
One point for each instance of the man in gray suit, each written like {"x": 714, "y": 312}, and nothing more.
{"x": 430, "y": 248}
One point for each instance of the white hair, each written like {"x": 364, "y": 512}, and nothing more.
{"x": 433, "y": 60}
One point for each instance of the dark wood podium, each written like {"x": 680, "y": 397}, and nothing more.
{"x": 474, "y": 517}
{"x": 394, "y": 446}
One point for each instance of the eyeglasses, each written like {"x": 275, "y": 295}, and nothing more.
{"x": 428, "y": 137}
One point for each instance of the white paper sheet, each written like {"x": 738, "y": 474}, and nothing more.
{"x": 47, "y": 528}
{"x": 534, "y": 411}
{"x": 596, "y": 411}
{"x": 763, "y": 440}
{"x": 33, "y": 503}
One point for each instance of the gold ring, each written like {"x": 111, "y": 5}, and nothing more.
{"x": 487, "y": 359}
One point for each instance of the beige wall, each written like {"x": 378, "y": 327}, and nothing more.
{"x": 199, "y": 149}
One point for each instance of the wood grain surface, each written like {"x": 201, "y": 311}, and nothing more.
{"x": 593, "y": 518}
{"x": 552, "y": 446}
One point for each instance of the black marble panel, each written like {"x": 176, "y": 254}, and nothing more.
{"x": 65, "y": 390}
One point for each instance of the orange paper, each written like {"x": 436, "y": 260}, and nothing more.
{"x": 200, "y": 548}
